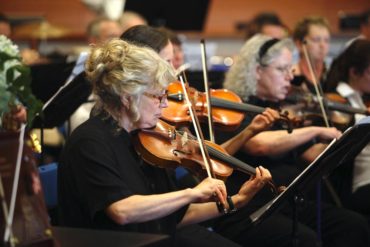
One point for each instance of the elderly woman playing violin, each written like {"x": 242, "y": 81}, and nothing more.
{"x": 104, "y": 184}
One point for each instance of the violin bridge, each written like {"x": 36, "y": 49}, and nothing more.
{"x": 184, "y": 139}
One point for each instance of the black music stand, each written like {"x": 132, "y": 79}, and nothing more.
{"x": 62, "y": 105}
{"x": 338, "y": 152}
{"x": 64, "y": 102}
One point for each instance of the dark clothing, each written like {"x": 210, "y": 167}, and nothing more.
{"x": 99, "y": 166}
{"x": 337, "y": 226}
{"x": 359, "y": 201}
{"x": 98, "y": 159}
{"x": 303, "y": 82}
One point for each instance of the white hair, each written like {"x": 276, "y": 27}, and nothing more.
{"x": 241, "y": 78}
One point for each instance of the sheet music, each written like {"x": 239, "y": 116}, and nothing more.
{"x": 255, "y": 216}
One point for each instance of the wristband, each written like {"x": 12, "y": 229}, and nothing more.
{"x": 221, "y": 209}
{"x": 232, "y": 208}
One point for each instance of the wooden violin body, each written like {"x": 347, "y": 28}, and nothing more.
{"x": 228, "y": 110}
{"x": 178, "y": 112}
{"x": 163, "y": 146}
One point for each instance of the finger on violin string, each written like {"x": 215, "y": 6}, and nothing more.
{"x": 271, "y": 114}
{"x": 259, "y": 172}
{"x": 265, "y": 174}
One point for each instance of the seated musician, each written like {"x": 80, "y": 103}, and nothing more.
{"x": 104, "y": 184}
{"x": 349, "y": 76}
{"x": 313, "y": 34}
{"x": 261, "y": 76}
{"x": 243, "y": 233}
{"x": 159, "y": 40}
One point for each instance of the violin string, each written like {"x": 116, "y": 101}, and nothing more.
{"x": 232, "y": 161}
{"x": 240, "y": 165}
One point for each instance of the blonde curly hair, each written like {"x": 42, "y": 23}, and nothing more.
{"x": 118, "y": 68}
{"x": 241, "y": 78}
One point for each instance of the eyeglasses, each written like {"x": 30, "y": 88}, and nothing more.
{"x": 317, "y": 40}
{"x": 161, "y": 98}
{"x": 287, "y": 69}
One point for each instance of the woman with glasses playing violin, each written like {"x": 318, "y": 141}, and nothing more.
{"x": 104, "y": 184}
{"x": 261, "y": 76}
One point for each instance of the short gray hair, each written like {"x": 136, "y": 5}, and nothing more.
{"x": 241, "y": 78}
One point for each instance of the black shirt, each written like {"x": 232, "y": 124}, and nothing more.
{"x": 284, "y": 168}
{"x": 99, "y": 166}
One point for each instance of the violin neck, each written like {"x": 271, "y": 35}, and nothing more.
{"x": 345, "y": 108}
{"x": 221, "y": 103}
{"x": 242, "y": 107}
{"x": 334, "y": 106}
{"x": 230, "y": 160}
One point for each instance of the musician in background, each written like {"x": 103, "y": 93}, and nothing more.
{"x": 178, "y": 52}
{"x": 313, "y": 33}
{"x": 103, "y": 29}
{"x": 147, "y": 36}
{"x": 129, "y": 19}
{"x": 261, "y": 76}
{"x": 267, "y": 23}
{"x": 104, "y": 184}
{"x": 349, "y": 76}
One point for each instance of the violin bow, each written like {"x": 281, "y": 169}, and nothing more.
{"x": 198, "y": 132}
{"x": 324, "y": 114}
{"x": 315, "y": 83}
{"x": 206, "y": 88}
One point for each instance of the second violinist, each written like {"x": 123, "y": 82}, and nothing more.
{"x": 261, "y": 76}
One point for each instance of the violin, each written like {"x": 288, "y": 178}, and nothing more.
{"x": 333, "y": 101}
{"x": 336, "y": 102}
{"x": 178, "y": 112}
{"x": 306, "y": 105}
{"x": 166, "y": 147}
{"x": 228, "y": 110}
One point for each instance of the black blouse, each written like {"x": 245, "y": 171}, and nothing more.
{"x": 99, "y": 166}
